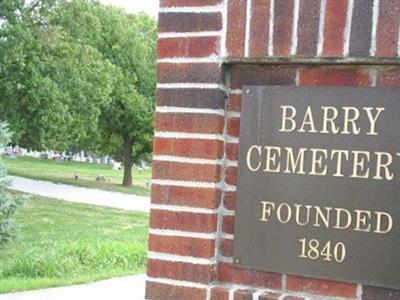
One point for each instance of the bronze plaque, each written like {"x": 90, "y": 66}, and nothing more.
{"x": 319, "y": 183}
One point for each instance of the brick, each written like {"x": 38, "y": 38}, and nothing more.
{"x": 233, "y": 126}
{"x": 232, "y": 151}
{"x": 259, "y": 28}
{"x": 180, "y": 271}
{"x": 321, "y": 287}
{"x": 230, "y": 200}
{"x": 336, "y": 76}
{"x": 228, "y": 224}
{"x": 308, "y": 24}
{"x": 184, "y": 246}
{"x": 389, "y": 76}
{"x": 377, "y": 293}
{"x": 177, "y": 3}
{"x": 189, "y": 22}
{"x": 185, "y": 196}
{"x": 361, "y": 28}
{"x": 234, "y": 102}
{"x": 262, "y": 75}
{"x": 236, "y": 30}
{"x": 184, "y": 171}
{"x": 283, "y": 19}
{"x": 184, "y": 221}
{"x": 160, "y": 291}
{"x": 231, "y": 175}
{"x": 209, "y": 149}
{"x": 188, "y": 47}
{"x": 188, "y": 73}
{"x": 269, "y": 296}
{"x": 293, "y": 298}
{"x": 189, "y": 122}
{"x": 388, "y": 28}
{"x": 228, "y": 273}
{"x": 226, "y": 247}
{"x": 195, "y": 98}
{"x": 243, "y": 294}
{"x": 335, "y": 23}
{"x": 219, "y": 293}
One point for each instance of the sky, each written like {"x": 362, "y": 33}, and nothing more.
{"x": 134, "y": 6}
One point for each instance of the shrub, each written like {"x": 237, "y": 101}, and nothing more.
{"x": 9, "y": 203}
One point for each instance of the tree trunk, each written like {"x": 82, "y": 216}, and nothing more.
{"x": 128, "y": 162}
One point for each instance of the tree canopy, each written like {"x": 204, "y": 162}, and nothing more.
{"x": 78, "y": 73}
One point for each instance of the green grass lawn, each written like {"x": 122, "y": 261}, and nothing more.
{"x": 62, "y": 172}
{"x": 63, "y": 243}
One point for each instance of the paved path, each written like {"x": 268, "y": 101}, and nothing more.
{"x": 123, "y": 288}
{"x": 80, "y": 194}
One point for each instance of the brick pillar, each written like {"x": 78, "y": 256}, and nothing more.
{"x": 207, "y": 51}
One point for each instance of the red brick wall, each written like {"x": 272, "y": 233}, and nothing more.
{"x": 207, "y": 50}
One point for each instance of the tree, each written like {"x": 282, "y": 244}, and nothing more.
{"x": 78, "y": 73}
{"x": 52, "y": 87}
{"x": 9, "y": 203}
{"x": 128, "y": 43}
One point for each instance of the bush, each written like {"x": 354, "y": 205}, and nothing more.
{"x": 9, "y": 203}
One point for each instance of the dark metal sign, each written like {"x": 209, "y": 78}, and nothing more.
{"x": 319, "y": 183}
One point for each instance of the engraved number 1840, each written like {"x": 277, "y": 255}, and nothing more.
{"x": 313, "y": 249}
